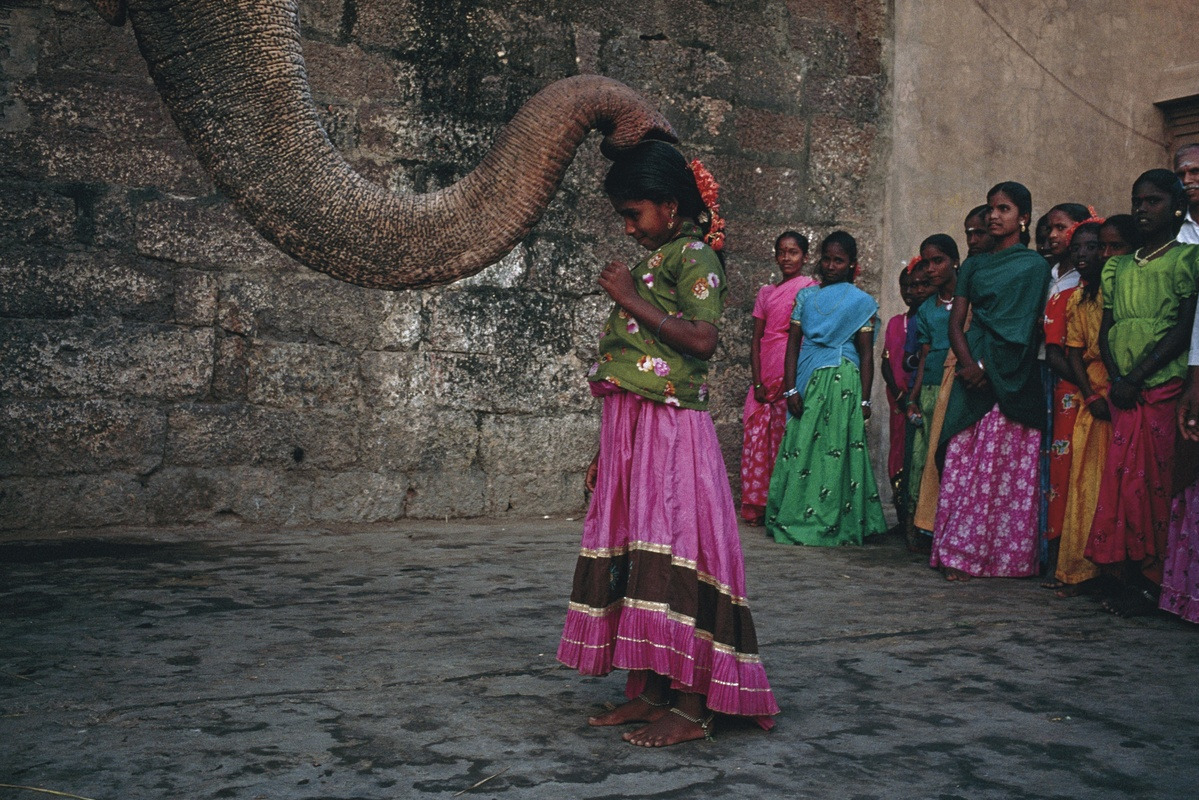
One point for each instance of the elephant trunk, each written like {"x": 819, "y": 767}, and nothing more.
{"x": 232, "y": 74}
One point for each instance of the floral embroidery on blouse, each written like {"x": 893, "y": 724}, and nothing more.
{"x": 685, "y": 280}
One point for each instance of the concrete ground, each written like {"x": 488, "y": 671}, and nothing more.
{"x": 416, "y": 660}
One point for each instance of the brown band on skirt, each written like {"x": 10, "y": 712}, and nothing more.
{"x": 644, "y": 576}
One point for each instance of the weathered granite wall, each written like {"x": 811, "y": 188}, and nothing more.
{"x": 161, "y": 364}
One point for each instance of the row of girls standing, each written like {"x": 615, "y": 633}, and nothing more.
{"x": 1115, "y": 328}
{"x": 970, "y": 459}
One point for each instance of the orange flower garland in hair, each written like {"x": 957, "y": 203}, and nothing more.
{"x": 709, "y": 192}
{"x": 912, "y": 264}
{"x": 1093, "y": 218}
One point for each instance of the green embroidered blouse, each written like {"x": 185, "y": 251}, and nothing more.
{"x": 684, "y": 278}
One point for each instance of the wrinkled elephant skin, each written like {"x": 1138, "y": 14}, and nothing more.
{"x": 248, "y": 115}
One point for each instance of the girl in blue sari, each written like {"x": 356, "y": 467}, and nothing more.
{"x": 823, "y": 490}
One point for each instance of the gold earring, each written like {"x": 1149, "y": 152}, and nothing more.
{"x": 1177, "y": 212}
{"x": 1024, "y": 227}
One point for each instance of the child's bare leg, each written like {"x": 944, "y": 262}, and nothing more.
{"x": 689, "y": 720}
{"x": 952, "y": 574}
{"x": 646, "y": 707}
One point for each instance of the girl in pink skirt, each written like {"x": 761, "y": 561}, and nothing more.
{"x": 1148, "y": 312}
{"x": 765, "y": 415}
{"x": 659, "y": 588}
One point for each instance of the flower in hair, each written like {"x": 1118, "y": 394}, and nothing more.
{"x": 709, "y": 192}
{"x": 1093, "y": 218}
{"x": 912, "y": 264}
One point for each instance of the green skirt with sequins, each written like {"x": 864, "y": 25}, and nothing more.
{"x": 823, "y": 490}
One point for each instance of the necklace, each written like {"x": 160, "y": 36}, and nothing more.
{"x": 1143, "y": 260}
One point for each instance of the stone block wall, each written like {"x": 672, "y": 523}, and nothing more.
{"x": 161, "y": 364}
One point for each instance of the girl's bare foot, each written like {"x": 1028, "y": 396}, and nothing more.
{"x": 952, "y": 574}
{"x": 639, "y": 709}
{"x": 672, "y": 728}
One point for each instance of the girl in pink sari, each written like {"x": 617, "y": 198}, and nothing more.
{"x": 765, "y": 414}
{"x": 914, "y": 289}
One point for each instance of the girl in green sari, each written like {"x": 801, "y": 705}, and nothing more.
{"x": 987, "y": 514}
{"x": 823, "y": 490}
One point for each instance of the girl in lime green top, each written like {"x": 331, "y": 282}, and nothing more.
{"x": 1148, "y": 308}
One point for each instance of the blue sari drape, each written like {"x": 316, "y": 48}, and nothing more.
{"x": 830, "y": 317}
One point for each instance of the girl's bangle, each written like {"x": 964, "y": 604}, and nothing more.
{"x": 658, "y": 334}
{"x": 791, "y": 392}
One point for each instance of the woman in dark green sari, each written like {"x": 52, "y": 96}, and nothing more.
{"x": 988, "y": 510}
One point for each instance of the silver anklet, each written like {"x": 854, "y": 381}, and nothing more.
{"x": 651, "y": 703}
{"x": 704, "y": 723}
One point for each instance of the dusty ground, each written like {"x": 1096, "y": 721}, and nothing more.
{"x": 415, "y": 660}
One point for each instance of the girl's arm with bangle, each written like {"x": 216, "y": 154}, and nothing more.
{"x": 1105, "y": 351}
{"x": 1055, "y": 359}
{"x": 755, "y": 359}
{"x": 969, "y": 370}
{"x": 864, "y": 341}
{"x": 790, "y": 367}
{"x": 918, "y": 378}
{"x": 889, "y": 380}
{"x": 592, "y": 473}
{"x": 1095, "y": 402}
{"x": 1188, "y": 407}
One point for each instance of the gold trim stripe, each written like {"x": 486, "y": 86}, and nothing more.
{"x": 659, "y": 608}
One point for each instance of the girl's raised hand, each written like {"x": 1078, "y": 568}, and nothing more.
{"x": 617, "y": 281}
